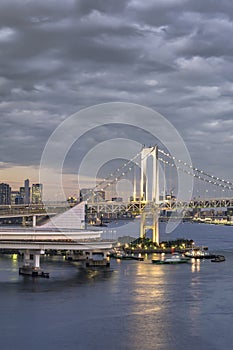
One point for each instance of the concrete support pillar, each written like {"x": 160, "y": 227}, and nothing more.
{"x": 36, "y": 261}
{"x": 143, "y": 183}
{"x": 145, "y": 154}
{"x": 134, "y": 187}
{"x": 34, "y": 221}
{"x": 155, "y": 227}
{"x": 150, "y": 213}
{"x": 26, "y": 258}
{"x": 150, "y": 221}
{"x": 142, "y": 226}
{"x": 31, "y": 267}
{"x": 24, "y": 221}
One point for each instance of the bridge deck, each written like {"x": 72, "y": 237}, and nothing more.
{"x": 55, "y": 245}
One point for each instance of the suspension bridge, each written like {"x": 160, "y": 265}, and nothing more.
{"x": 150, "y": 164}
{"x": 146, "y": 200}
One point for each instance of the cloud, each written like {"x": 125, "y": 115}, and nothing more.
{"x": 171, "y": 55}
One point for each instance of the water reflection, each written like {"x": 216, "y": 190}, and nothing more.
{"x": 63, "y": 274}
{"x": 148, "y": 288}
{"x": 196, "y": 265}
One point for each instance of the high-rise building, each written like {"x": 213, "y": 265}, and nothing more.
{"x": 26, "y": 192}
{"x": 5, "y": 194}
{"x": 22, "y": 192}
{"x": 37, "y": 193}
{"x": 14, "y": 195}
{"x": 16, "y": 198}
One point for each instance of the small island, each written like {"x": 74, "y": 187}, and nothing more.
{"x": 146, "y": 246}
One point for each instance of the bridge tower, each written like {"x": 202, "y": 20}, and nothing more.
{"x": 149, "y": 196}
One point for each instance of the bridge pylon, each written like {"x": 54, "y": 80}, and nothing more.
{"x": 150, "y": 196}
{"x": 150, "y": 221}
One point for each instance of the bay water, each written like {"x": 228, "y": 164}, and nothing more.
{"x": 131, "y": 305}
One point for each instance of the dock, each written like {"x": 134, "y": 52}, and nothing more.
{"x": 31, "y": 271}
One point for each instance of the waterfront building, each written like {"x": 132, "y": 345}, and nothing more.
{"x": 14, "y": 197}
{"x": 37, "y": 190}
{"x": 22, "y": 192}
{"x": 5, "y": 194}
{"x": 26, "y": 192}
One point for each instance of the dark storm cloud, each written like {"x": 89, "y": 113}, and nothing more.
{"x": 175, "y": 56}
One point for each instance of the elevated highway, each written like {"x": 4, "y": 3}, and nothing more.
{"x": 64, "y": 232}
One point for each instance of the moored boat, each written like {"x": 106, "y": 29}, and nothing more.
{"x": 173, "y": 259}
{"x": 199, "y": 254}
{"x": 218, "y": 258}
{"x": 125, "y": 256}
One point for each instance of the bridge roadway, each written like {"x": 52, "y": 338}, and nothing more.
{"x": 113, "y": 207}
{"x": 35, "y": 241}
{"x": 55, "y": 245}
{"x": 23, "y": 210}
{"x": 22, "y": 214}
{"x": 52, "y": 238}
{"x": 136, "y": 207}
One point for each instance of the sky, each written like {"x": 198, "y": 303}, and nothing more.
{"x": 59, "y": 57}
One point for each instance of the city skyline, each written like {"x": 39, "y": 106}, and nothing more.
{"x": 27, "y": 194}
{"x": 58, "y": 58}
